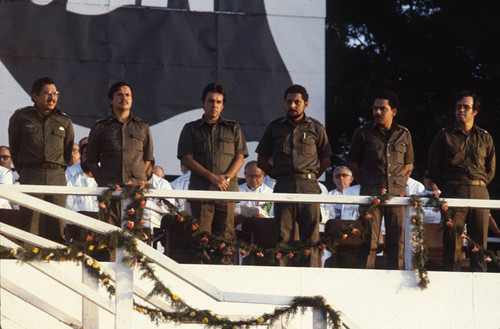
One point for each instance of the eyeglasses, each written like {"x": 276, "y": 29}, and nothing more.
{"x": 5, "y": 157}
{"x": 254, "y": 176}
{"x": 342, "y": 175}
{"x": 50, "y": 93}
{"x": 465, "y": 107}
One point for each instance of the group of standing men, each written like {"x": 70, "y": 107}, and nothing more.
{"x": 294, "y": 150}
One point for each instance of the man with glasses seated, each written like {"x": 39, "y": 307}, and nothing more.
{"x": 342, "y": 178}
{"x": 41, "y": 141}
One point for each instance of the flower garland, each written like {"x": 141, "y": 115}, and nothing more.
{"x": 81, "y": 251}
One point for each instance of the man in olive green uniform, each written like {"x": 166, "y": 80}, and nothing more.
{"x": 462, "y": 164}
{"x": 380, "y": 156}
{"x": 121, "y": 144}
{"x": 214, "y": 149}
{"x": 300, "y": 152}
{"x": 41, "y": 141}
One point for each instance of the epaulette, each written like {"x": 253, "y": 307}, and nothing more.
{"x": 482, "y": 130}
{"x": 104, "y": 119}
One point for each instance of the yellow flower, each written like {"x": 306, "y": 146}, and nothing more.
{"x": 205, "y": 320}
{"x": 91, "y": 247}
{"x": 95, "y": 265}
{"x": 217, "y": 317}
{"x": 102, "y": 246}
{"x": 291, "y": 304}
{"x": 168, "y": 317}
{"x": 68, "y": 250}
{"x": 35, "y": 250}
{"x": 138, "y": 309}
{"x": 175, "y": 297}
{"x": 260, "y": 319}
{"x": 329, "y": 306}
{"x": 105, "y": 280}
{"x": 13, "y": 251}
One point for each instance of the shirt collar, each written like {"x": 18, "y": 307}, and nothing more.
{"x": 304, "y": 119}
{"x": 219, "y": 120}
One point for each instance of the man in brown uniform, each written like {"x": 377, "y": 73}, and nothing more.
{"x": 122, "y": 144}
{"x": 380, "y": 156}
{"x": 462, "y": 164}
{"x": 300, "y": 151}
{"x": 214, "y": 149}
{"x": 41, "y": 140}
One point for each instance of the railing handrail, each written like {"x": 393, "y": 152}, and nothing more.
{"x": 246, "y": 196}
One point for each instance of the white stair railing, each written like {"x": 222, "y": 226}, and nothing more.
{"x": 124, "y": 278}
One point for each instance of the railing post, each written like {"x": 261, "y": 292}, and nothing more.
{"x": 319, "y": 320}
{"x": 124, "y": 297}
{"x": 124, "y": 292}
{"x": 90, "y": 311}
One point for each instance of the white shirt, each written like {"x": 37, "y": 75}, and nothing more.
{"x": 269, "y": 181}
{"x": 155, "y": 211}
{"x": 76, "y": 177}
{"x": 350, "y": 211}
{"x": 181, "y": 183}
{"x": 324, "y": 206}
{"x": 264, "y": 208}
{"x": 334, "y": 209}
{"x": 415, "y": 187}
{"x": 5, "y": 178}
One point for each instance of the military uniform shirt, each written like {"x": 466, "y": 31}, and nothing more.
{"x": 214, "y": 147}
{"x": 36, "y": 139}
{"x": 454, "y": 155}
{"x": 294, "y": 149}
{"x": 382, "y": 156}
{"x": 121, "y": 148}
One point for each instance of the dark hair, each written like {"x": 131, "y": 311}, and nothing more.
{"x": 37, "y": 86}
{"x": 214, "y": 87}
{"x": 297, "y": 89}
{"x": 117, "y": 85}
{"x": 476, "y": 105}
{"x": 391, "y": 97}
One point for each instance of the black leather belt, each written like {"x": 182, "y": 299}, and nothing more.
{"x": 298, "y": 176}
{"x": 45, "y": 165}
{"x": 475, "y": 182}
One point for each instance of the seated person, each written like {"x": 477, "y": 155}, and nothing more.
{"x": 155, "y": 210}
{"x": 254, "y": 177}
{"x": 182, "y": 183}
{"x": 80, "y": 175}
{"x": 415, "y": 187}
{"x": 342, "y": 178}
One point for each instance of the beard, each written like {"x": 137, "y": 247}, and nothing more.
{"x": 293, "y": 116}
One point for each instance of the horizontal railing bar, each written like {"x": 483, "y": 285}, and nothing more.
{"x": 39, "y": 303}
{"x": 65, "y": 280}
{"x": 245, "y": 196}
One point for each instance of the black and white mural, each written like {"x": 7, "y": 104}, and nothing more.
{"x": 168, "y": 50}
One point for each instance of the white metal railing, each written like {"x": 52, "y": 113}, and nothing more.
{"x": 122, "y": 308}
{"x": 123, "y": 275}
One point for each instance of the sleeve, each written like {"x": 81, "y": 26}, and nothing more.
{"x": 324, "y": 149}
{"x": 265, "y": 146}
{"x": 434, "y": 169}
{"x": 490, "y": 163}
{"x": 68, "y": 141}
{"x": 240, "y": 142}
{"x": 14, "y": 138}
{"x": 185, "y": 145}
{"x": 356, "y": 150}
{"x": 409, "y": 155}
{"x": 93, "y": 146}
{"x": 6, "y": 177}
{"x": 148, "y": 146}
